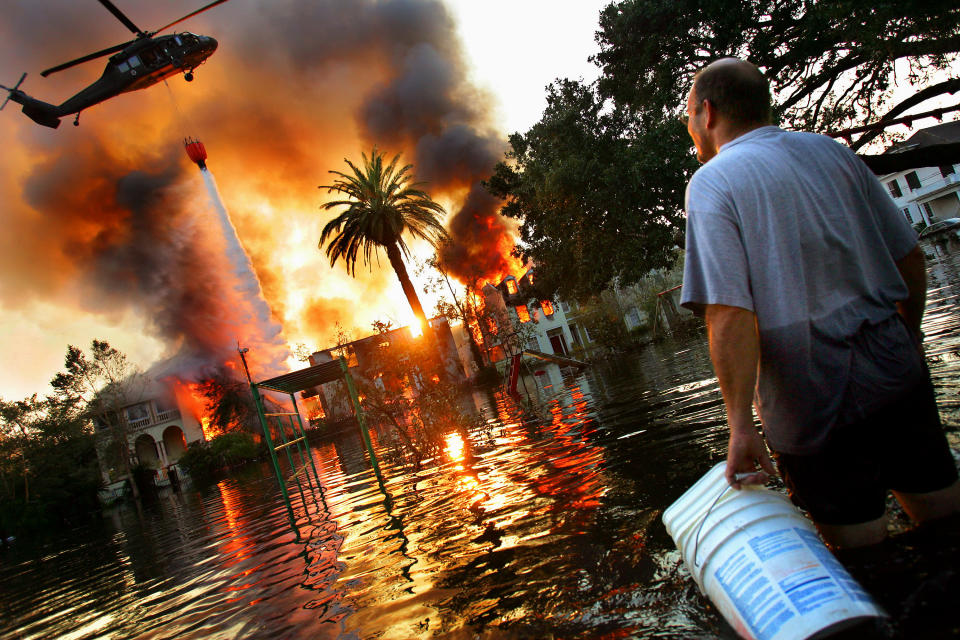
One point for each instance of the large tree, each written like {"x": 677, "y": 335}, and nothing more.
{"x": 598, "y": 198}
{"x": 598, "y": 182}
{"x": 105, "y": 382}
{"x": 382, "y": 204}
{"x": 48, "y": 465}
{"x": 832, "y": 64}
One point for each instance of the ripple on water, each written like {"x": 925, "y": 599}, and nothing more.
{"x": 532, "y": 523}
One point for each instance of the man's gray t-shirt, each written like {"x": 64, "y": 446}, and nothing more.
{"x": 794, "y": 227}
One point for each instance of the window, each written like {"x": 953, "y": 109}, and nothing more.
{"x": 565, "y": 307}
{"x": 522, "y": 313}
{"x": 575, "y": 334}
{"x": 894, "y": 188}
{"x": 511, "y": 286}
{"x": 906, "y": 214}
{"x": 138, "y": 414}
{"x": 123, "y": 67}
{"x": 926, "y": 207}
{"x": 133, "y": 61}
{"x": 947, "y": 170}
{"x": 533, "y": 344}
{"x": 547, "y": 307}
{"x": 913, "y": 181}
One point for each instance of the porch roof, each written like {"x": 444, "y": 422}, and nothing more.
{"x": 304, "y": 378}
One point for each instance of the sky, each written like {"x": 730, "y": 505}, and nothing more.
{"x": 110, "y": 232}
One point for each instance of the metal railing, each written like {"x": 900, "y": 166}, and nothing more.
{"x": 170, "y": 414}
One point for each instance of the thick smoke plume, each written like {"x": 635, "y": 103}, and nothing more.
{"x": 109, "y": 218}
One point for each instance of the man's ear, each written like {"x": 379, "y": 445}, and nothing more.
{"x": 712, "y": 115}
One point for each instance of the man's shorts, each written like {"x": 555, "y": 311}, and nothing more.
{"x": 901, "y": 447}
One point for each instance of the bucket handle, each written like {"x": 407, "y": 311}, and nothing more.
{"x": 696, "y": 541}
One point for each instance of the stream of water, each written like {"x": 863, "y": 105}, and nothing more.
{"x": 542, "y": 524}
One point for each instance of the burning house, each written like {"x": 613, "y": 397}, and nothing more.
{"x": 520, "y": 320}
{"x": 369, "y": 361}
{"x": 160, "y": 423}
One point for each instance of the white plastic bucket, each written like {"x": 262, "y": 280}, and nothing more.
{"x": 762, "y": 563}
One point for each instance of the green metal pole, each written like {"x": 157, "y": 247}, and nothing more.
{"x": 273, "y": 457}
{"x": 303, "y": 434}
{"x": 351, "y": 389}
{"x": 293, "y": 465}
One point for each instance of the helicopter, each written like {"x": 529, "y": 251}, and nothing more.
{"x": 134, "y": 65}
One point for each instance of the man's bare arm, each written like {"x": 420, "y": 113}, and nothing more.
{"x": 913, "y": 270}
{"x": 735, "y": 352}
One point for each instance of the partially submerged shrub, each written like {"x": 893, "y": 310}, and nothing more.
{"x": 226, "y": 450}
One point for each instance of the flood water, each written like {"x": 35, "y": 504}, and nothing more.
{"x": 542, "y": 524}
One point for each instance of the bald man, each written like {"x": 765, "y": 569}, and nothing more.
{"x": 813, "y": 288}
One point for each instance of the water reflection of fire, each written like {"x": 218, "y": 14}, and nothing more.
{"x": 238, "y": 546}
{"x": 550, "y": 475}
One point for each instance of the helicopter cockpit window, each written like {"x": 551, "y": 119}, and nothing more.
{"x": 148, "y": 57}
{"x": 177, "y": 40}
{"x": 134, "y": 61}
{"x": 123, "y": 67}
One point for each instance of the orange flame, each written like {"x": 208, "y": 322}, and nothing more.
{"x": 192, "y": 401}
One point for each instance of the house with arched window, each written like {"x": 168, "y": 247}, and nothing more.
{"x": 159, "y": 429}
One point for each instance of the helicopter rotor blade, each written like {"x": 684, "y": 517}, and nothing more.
{"x": 119, "y": 15}
{"x": 189, "y": 15}
{"x": 91, "y": 56}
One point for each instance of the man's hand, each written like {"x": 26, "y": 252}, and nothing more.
{"x": 745, "y": 454}
{"x": 735, "y": 352}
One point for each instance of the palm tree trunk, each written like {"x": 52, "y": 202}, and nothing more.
{"x": 396, "y": 261}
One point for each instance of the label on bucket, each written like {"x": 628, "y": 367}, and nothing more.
{"x": 783, "y": 574}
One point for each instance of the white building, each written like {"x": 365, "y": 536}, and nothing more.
{"x": 159, "y": 429}
{"x": 931, "y": 193}
{"x": 551, "y": 327}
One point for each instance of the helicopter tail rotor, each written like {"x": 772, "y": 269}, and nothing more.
{"x": 10, "y": 91}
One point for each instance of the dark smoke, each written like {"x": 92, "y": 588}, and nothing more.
{"x": 425, "y": 106}
{"x": 109, "y": 220}
{"x": 140, "y": 239}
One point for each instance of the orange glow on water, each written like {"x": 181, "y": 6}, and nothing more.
{"x": 454, "y": 446}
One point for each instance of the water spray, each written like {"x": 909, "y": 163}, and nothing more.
{"x": 249, "y": 283}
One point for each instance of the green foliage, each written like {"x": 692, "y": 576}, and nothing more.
{"x": 831, "y": 64}
{"x": 599, "y": 200}
{"x": 102, "y": 383}
{"x": 603, "y": 316}
{"x": 225, "y": 450}
{"x": 49, "y": 475}
{"x": 382, "y": 204}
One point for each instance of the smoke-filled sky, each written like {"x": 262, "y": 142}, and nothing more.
{"x": 110, "y": 233}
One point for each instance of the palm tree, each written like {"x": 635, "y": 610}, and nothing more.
{"x": 382, "y": 204}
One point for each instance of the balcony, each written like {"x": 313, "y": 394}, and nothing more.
{"x": 169, "y": 414}
{"x": 138, "y": 425}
